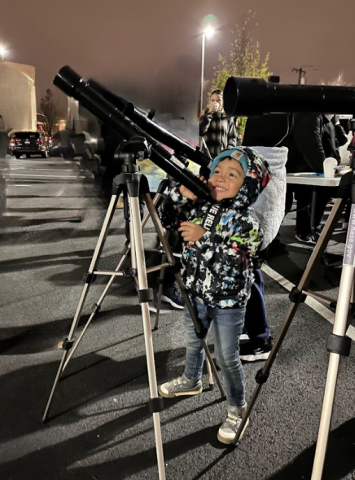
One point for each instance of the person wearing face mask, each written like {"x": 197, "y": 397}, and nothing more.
{"x": 217, "y": 130}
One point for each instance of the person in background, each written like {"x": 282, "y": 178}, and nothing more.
{"x": 312, "y": 138}
{"x": 217, "y": 130}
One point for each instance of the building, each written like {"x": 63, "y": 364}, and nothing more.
{"x": 17, "y": 96}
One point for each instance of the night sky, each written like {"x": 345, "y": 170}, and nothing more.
{"x": 133, "y": 45}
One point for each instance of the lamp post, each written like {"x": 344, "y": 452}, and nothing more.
{"x": 3, "y": 52}
{"x": 208, "y": 32}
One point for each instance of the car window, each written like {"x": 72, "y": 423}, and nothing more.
{"x": 23, "y": 135}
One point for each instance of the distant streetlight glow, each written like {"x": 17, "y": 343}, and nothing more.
{"x": 209, "y": 31}
{"x": 3, "y": 52}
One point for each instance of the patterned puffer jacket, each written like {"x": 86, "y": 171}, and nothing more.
{"x": 218, "y": 268}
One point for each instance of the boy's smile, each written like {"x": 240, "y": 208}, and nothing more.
{"x": 226, "y": 180}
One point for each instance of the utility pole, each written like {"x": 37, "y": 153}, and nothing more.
{"x": 301, "y": 75}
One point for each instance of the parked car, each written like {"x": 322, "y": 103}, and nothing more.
{"x": 29, "y": 143}
{"x": 68, "y": 145}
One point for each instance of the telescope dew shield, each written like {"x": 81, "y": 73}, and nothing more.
{"x": 254, "y": 96}
{"x": 73, "y": 85}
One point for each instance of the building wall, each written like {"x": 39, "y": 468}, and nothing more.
{"x": 17, "y": 96}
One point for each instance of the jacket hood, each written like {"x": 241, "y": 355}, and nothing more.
{"x": 257, "y": 175}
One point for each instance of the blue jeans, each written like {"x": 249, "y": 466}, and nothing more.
{"x": 256, "y": 323}
{"x": 228, "y": 326}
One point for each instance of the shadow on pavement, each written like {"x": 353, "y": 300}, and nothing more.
{"x": 340, "y": 458}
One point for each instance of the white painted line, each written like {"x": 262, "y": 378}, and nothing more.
{"x": 311, "y": 302}
{"x": 43, "y": 169}
{"x": 45, "y": 176}
{"x": 20, "y": 185}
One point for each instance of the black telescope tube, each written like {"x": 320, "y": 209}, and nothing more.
{"x": 254, "y": 96}
{"x": 180, "y": 146}
{"x": 74, "y": 86}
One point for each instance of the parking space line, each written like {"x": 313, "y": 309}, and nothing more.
{"x": 46, "y": 176}
{"x": 311, "y": 302}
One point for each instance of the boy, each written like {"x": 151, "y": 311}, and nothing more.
{"x": 221, "y": 239}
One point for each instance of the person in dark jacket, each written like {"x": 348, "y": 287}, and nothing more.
{"x": 221, "y": 242}
{"x": 313, "y": 137}
{"x": 217, "y": 130}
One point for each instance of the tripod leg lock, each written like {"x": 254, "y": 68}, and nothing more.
{"x": 156, "y": 404}
{"x": 296, "y": 296}
{"x": 67, "y": 344}
{"x": 89, "y": 277}
{"x": 145, "y": 295}
{"x": 339, "y": 345}
{"x": 261, "y": 377}
{"x": 129, "y": 272}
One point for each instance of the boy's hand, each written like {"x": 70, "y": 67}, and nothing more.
{"x": 185, "y": 192}
{"x": 191, "y": 232}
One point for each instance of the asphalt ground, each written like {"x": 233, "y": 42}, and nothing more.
{"x": 99, "y": 426}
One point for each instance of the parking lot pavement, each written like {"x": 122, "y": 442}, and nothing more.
{"x": 100, "y": 426}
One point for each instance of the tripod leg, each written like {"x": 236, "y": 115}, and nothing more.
{"x": 68, "y": 342}
{"x": 161, "y": 283}
{"x": 338, "y": 345}
{"x": 96, "y": 310}
{"x": 155, "y": 401}
{"x": 296, "y": 296}
{"x": 160, "y": 292}
{"x": 210, "y": 375}
{"x": 198, "y": 329}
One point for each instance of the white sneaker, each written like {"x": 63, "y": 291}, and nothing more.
{"x": 228, "y": 430}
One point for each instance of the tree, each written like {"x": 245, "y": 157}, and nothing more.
{"x": 245, "y": 60}
{"x": 51, "y": 111}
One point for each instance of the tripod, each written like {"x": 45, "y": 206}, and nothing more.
{"x": 337, "y": 343}
{"x": 131, "y": 182}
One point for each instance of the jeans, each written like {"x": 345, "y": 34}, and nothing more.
{"x": 303, "y": 195}
{"x": 228, "y": 326}
{"x": 256, "y": 323}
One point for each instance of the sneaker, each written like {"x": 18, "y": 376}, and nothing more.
{"x": 164, "y": 307}
{"x": 180, "y": 386}
{"x": 173, "y": 296}
{"x": 228, "y": 430}
{"x": 244, "y": 336}
{"x": 250, "y": 352}
{"x": 306, "y": 238}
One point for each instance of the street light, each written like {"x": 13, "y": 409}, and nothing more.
{"x": 3, "y": 52}
{"x": 208, "y": 32}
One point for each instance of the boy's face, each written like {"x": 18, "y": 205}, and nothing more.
{"x": 226, "y": 180}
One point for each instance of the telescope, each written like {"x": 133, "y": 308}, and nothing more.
{"x": 244, "y": 96}
{"x": 180, "y": 146}
{"x": 89, "y": 95}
